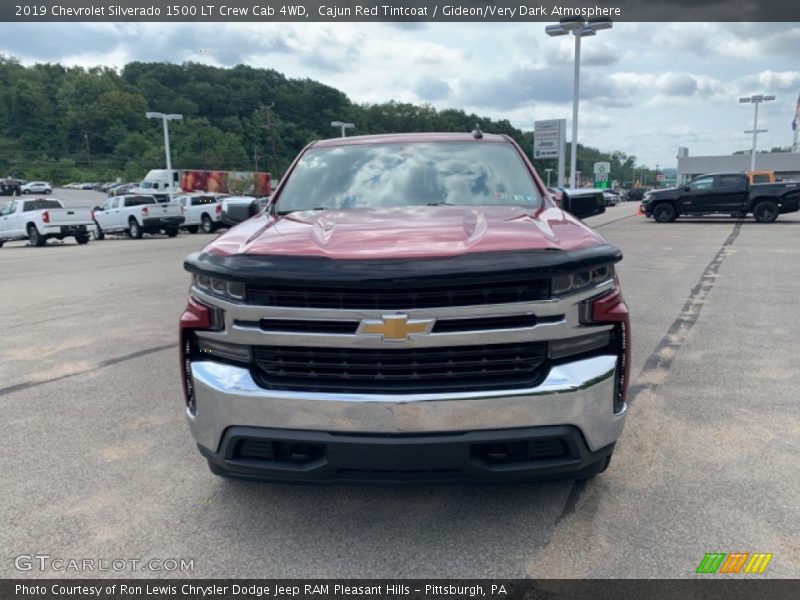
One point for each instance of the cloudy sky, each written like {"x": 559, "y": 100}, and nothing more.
{"x": 646, "y": 87}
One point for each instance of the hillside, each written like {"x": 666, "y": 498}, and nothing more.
{"x": 69, "y": 123}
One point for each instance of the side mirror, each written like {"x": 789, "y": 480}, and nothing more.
{"x": 686, "y": 188}
{"x": 583, "y": 205}
{"x": 97, "y": 208}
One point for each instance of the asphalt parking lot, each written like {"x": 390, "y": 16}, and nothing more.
{"x": 99, "y": 463}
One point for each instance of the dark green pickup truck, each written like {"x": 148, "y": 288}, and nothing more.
{"x": 723, "y": 193}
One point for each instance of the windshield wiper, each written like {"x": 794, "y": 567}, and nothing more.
{"x": 286, "y": 212}
{"x": 440, "y": 204}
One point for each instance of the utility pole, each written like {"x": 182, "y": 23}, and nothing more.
{"x": 88, "y": 154}
{"x": 268, "y": 126}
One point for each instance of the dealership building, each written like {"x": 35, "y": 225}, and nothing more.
{"x": 785, "y": 164}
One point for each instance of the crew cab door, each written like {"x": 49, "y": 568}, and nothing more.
{"x": 107, "y": 213}
{"x": 730, "y": 192}
{"x": 8, "y": 221}
{"x": 698, "y": 196}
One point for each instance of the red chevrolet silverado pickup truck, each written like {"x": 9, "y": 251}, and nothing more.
{"x": 407, "y": 308}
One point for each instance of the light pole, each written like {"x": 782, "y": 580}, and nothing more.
{"x": 88, "y": 154}
{"x": 165, "y": 118}
{"x": 756, "y": 99}
{"x": 548, "y": 171}
{"x": 343, "y": 126}
{"x": 578, "y": 27}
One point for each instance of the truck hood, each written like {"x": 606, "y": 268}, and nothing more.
{"x": 670, "y": 191}
{"x": 425, "y": 231}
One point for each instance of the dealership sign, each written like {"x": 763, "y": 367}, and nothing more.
{"x": 548, "y": 138}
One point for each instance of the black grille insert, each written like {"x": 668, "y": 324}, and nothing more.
{"x": 457, "y": 368}
{"x": 400, "y": 297}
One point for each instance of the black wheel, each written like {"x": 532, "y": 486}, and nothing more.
{"x": 664, "y": 213}
{"x": 2, "y": 242}
{"x": 765, "y": 211}
{"x": 26, "y": 191}
{"x": 208, "y": 224}
{"x": 98, "y": 233}
{"x": 135, "y": 230}
{"x": 172, "y": 231}
{"x": 192, "y": 228}
{"x": 35, "y": 237}
{"x": 82, "y": 239}
{"x": 48, "y": 192}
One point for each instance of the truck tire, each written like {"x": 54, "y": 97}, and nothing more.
{"x": 208, "y": 225}
{"x": 192, "y": 228}
{"x": 765, "y": 211}
{"x": 2, "y": 242}
{"x": 98, "y": 233}
{"x": 664, "y": 213}
{"x": 135, "y": 230}
{"x": 35, "y": 237}
{"x": 82, "y": 239}
{"x": 172, "y": 231}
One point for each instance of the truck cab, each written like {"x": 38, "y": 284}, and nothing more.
{"x": 723, "y": 193}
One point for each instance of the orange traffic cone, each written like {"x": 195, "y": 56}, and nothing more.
{"x": 639, "y": 210}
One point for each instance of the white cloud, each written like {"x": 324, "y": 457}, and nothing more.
{"x": 645, "y": 87}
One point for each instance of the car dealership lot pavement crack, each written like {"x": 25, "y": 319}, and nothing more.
{"x": 657, "y": 364}
{"x": 101, "y": 365}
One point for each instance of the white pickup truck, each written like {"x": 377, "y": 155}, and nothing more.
{"x": 136, "y": 215}
{"x": 40, "y": 219}
{"x": 201, "y": 211}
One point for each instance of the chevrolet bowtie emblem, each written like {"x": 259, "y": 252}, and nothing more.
{"x": 395, "y": 328}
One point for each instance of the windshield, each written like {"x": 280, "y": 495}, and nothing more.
{"x": 41, "y": 205}
{"x": 409, "y": 174}
{"x": 139, "y": 200}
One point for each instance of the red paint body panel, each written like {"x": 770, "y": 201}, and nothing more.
{"x": 412, "y": 232}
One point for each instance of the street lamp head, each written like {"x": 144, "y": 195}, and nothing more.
{"x": 744, "y": 100}
{"x": 336, "y": 123}
{"x": 174, "y": 117}
{"x": 153, "y": 115}
{"x": 555, "y": 30}
{"x": 769, "y": 98}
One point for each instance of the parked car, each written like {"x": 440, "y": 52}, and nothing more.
{"x": 636, "y": 194}
{"x": 611, "y": 197}
{"x": 372, "y": 325}
{"x": 201, "y": 211}
{"x": 123, "y": 188}
{"x": 10, "y": 187}
{"x": 41, "y": 219}
{"x": 37, "y": 187}
{"x": 136, "y": 215}
{"x": 723, "y": 193}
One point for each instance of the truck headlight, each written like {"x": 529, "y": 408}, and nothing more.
{"x": 235, "y": 352}
{"x": 570, "y": 283}
{"x": 228, "y": 290}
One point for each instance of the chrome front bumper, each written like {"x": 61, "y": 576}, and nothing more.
{"x": 579, "y": 393}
